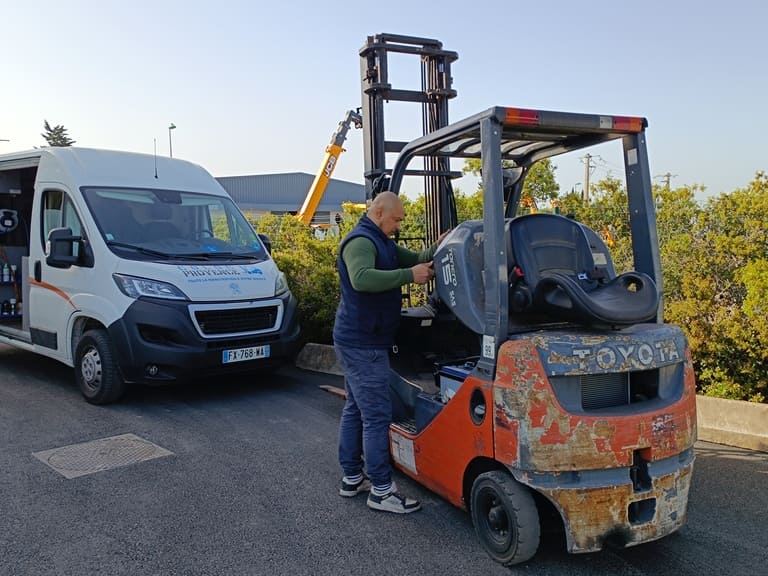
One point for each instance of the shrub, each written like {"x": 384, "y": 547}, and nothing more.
{"x": 309, "y": 264}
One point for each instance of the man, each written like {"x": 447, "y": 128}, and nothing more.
{"x": 372, "y": 268}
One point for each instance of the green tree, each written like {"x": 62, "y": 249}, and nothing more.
{"x": 56, "y": 135}
{"x": 677, "y": 215}
{"x": 540, "y": 183}
{"x": 469, "y": 206}
{"x": 721, "y": 293}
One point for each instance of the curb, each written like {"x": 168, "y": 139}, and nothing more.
{"x": 733, "y": 422}
{"x": 319, "y": 358}
{"x": 729, "y": 422}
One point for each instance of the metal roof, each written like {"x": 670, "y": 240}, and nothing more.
{"x": 286, "y": 192}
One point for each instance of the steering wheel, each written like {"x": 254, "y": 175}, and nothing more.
{"x": 203, "y": 234}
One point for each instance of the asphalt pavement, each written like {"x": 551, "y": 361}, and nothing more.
{"x": 248, "y": 486}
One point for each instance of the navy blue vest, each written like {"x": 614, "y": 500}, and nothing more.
{"x": 368, "y": 319}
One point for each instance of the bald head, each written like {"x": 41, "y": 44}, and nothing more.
{"x": 386, "y": 200}
{"x": 387, "y": 212}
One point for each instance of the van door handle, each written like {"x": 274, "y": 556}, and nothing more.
{"x": 38, "y": 271}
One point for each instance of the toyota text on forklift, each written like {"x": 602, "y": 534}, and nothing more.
{"x": 538, "y": 382}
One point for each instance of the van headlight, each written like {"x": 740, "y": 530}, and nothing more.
{"x": 135, "y": 287}
{"x": 281, "y": 284}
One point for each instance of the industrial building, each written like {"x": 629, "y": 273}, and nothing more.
{"x": 285, "y": 193}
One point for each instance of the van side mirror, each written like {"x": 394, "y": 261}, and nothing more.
{"x": 59, "y": 248}
{"x": 267, "y": 242}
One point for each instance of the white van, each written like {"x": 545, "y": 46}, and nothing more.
{"x": 135, "y": 268}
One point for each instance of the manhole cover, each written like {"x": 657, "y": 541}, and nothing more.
{"x": 99, "y": 455}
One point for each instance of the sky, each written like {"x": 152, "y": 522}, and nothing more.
{"x": 259, "y": 87}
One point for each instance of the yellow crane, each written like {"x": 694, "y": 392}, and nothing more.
{"x": 332, "y": 153}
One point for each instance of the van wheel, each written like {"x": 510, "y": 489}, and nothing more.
{"x": 505, "y": 518}
{"x": 95, "y": 369}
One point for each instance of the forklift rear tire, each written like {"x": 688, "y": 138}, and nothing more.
{"x": 505, "y": 517}
{"x": 96, "y": 371}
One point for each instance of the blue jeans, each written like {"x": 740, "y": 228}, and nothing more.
{"x": 367, "y": 413}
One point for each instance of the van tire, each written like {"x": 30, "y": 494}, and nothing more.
{"x": 96, "y": 371}
{"x": 505, "y": 517}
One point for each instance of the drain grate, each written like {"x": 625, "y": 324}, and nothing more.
{"x": 99, "y": 455}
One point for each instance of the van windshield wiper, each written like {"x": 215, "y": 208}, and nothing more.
{"x": 226, "y": 255}
{"x": 155, "y": 253}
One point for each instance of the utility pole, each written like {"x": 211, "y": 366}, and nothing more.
{"x": 667, "y": 179}
{"x": 587, "y": 168}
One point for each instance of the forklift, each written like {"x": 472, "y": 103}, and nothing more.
{"x": 545, "y": 383}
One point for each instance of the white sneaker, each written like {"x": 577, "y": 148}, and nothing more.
{"x": 350, "y": 490}
{"x": 393, "y": 502}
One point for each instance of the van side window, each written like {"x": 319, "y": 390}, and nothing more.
{"x": 59, "y": 212}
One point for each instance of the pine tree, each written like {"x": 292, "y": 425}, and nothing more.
{"x": 56, "y": 136}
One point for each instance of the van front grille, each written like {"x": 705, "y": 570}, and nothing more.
{"x": 236, "y": 320}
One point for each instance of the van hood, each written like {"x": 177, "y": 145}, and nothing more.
{"x": 214, "y": 281}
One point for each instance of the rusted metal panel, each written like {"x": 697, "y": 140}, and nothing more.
{"x": 582, "y": 461}
{"x": 639, "y": 347}
{"x": 551, "y": 439}
{"x": 595, "y": 517}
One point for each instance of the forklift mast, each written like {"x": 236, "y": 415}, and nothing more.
{"x": 435, "y": 92}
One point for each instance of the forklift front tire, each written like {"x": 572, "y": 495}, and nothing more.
{"x": 505, "y": 517}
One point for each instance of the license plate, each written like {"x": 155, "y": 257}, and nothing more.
{"x": 243, "y": 354}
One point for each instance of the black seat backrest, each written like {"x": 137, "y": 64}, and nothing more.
{"x": 561, "y": 268}
{"x": 544, "y": 243}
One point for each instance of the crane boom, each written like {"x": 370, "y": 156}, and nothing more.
{"x": 332, "y": 153}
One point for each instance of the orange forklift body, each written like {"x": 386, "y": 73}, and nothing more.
{"x": 583, "y": 464}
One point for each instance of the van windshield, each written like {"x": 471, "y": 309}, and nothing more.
{"x": 146, "y": 224}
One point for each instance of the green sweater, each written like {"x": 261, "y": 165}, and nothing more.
{"x": 360, "y": 259}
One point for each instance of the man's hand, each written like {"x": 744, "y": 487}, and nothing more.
{"x": 442, "y": 236}
{"x": 422, "y": 273}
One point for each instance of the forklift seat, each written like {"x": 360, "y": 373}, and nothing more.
{"x": 561, "y": 268}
